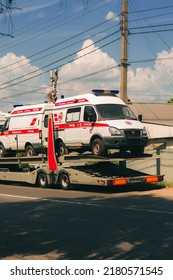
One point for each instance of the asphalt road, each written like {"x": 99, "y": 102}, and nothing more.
{"x": 86, "y": 223}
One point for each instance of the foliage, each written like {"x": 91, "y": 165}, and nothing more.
{"x": 170, "y": 100}
{"x": 6, "y": 7}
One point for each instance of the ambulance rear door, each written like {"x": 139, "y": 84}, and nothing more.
{"x": 43, "y": 128}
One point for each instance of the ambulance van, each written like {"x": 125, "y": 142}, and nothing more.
{"x": 25, "y": 130}
{"x": 96, "y": 122}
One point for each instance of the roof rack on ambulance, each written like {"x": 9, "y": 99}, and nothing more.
{"x": 101, "y": 92}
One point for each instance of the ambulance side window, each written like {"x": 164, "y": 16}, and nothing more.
{"x": 89, "y": 114}
{"x": 46, "y": 121}
{"x": 73, "y": 114}
{"x": 6, "y": 125}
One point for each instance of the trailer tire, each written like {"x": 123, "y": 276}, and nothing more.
{"x": 64, "y": 181}
{"x": 42, "y": 180}
{"x": 2, "y": 151}
{"x": 30, "y": 151}
{"x": 98, "y": 148}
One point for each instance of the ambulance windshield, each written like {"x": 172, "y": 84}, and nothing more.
{"x": 115, "y": 111}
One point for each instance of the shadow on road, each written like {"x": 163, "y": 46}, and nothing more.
{"x": 92, "y": 227}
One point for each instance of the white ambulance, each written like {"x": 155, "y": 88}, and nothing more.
{"x": 25, "y": 130}
{"x": 97, "y": 122}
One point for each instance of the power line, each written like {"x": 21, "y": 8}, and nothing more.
{"x": 58, "y": 44}
{"x": 151, "y": 47}
{"x": 90, "y": 74}
{"x": 52, "y": 53}
{"x": 95, "y": 73}
{"x": 73, "y": 53}
{"x": 150, "y": 60}
{"x": 54, "y": 26}
{"x": 152, "y": 26}
{"x": 151, "y": 9}
{"x": 58, "y": 66}
{"x": 151, "y": 17}
{"x": 150, "y": 31}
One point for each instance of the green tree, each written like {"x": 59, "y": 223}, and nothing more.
{"x": 170, "y": 100}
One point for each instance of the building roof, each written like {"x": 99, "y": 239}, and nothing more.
{"x": 154, "y": 112}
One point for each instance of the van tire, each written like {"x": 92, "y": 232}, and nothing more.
{"x": 42, "y": 180}
{"x": 30, "y": 151}
{"x": 2, "y": 151}
{"x": 61, "y": 149}
{"x": 98, "y": 148}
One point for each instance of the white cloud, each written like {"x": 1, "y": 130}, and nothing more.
{"x": 145, "y": 84}
{"x": 152, "y": 84}
{"x": 111, "y": 15}
{"x": 12, "y": 67}
{"x": 97, "y": 60}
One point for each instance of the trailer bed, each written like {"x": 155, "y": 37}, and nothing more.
{"x": 84, "y": 170}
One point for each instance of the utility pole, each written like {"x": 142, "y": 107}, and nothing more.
{"x": 124, "y": 51}
{"x": 54, "y": 78}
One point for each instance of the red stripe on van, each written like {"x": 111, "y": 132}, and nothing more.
{"x": 25, "y": 111}
{"x": 73, "y": 101}
{"x": 33, "y": 121}
{"x": 20, "y": 131}
{"x": 63, "y": 126}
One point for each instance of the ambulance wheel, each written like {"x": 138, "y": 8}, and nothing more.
{"x": 64, "y": 181}
{"x": 98, "y": 148}
{"x": 62, "y": 149}
{"x": 2, "y": 151}
{"x": 42, "y": 180}
{"x": 30, "y": 151}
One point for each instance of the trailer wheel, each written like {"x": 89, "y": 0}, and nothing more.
{"x": 30, "y": 151}
{"x": 98, "y": 148}
{"x": 42, "y": 180}
{"x": 64, "y": 181}
{"x": 2, "y": 151}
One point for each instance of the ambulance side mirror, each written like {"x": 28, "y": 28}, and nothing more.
{"x": 140, "y": 118}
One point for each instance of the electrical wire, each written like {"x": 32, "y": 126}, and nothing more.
{"x": 73, "y": 53}
{"x": 58, "y": 44}
{"x": 151, "y": 47}
{"x": 33, "y": 72}
{"x": 94, "y": 73}
{"x": 54, "y": 26}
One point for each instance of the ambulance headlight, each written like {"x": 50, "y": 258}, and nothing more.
{"x": 114, "y": 131}
{"x": 144, "y": 132}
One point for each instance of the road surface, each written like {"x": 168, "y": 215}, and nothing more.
{"x": 86, "y": 223}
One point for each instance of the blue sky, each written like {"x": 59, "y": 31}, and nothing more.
{"x": 82, "y": 39}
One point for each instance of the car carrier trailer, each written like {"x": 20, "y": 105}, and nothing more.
{"x": 69, "y": 170}
{"x": 75, "y": 170}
